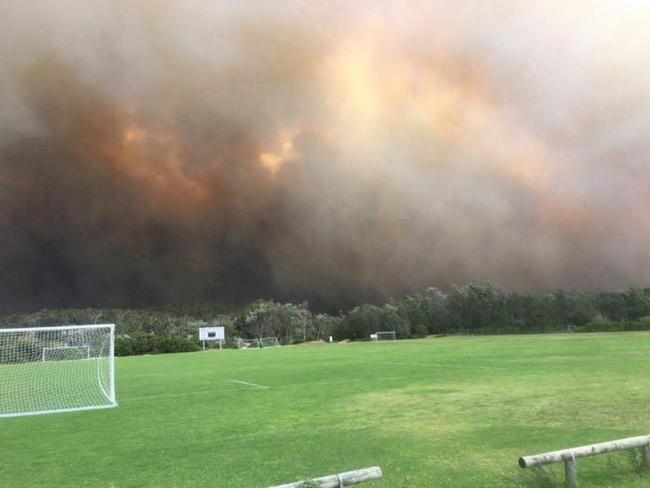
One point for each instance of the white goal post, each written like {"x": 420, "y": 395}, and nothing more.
{"x": 386, "y": 335}
{"x": 56, "y": 369}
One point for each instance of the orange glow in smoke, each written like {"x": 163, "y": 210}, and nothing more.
{"x": 379, "y": 97}
{"x": 273, "y": 161}
{"x": 133, "y": 135}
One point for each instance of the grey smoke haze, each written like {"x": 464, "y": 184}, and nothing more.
{"x": 167, "y": 150}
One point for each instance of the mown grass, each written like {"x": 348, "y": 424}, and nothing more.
{"x": 454, "y": 412}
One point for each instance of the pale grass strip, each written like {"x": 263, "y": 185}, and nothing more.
{"x": 248, "y": 384}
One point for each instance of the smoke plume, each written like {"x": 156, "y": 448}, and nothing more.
{"x": 333, "y": 151}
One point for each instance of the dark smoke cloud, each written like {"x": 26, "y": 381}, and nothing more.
{"x": 157, "y": 151}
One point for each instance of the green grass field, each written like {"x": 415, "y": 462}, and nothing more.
{"x": 450, "y": 412}
{"x": 54, "y": 385}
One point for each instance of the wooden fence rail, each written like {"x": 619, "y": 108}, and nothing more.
{"x": 339, "y": 480}
{"x": 569, "y": 456}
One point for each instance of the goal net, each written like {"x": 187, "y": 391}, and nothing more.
{"x": 66, "y": 353}
{"x": 56, "y": 369}
{"x": 388, "y": 335}
{"x": 269, "y": 342}
{"x": 248, "y": 343}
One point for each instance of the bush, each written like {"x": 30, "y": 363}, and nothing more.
{"x": 23, "y": 350}
{"x": 642, "y": 323}
{"x": 149, "y": 343}
{"x": 360, "y": 322}
{"x": 602, "y": 326}
{"x": 469, "y": 309}
{"x": 420, "y": 330}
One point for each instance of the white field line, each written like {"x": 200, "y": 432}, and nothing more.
{"x": 405, "y": 378}
{"x": 286, "y": 385}
{"x": 433, "y": 366}
{"x": 429, "y": 365}
{"x": 349, "y": 381}
{"x": 197, "y": 392}
{"x": 248, "y": 384}
{"x": 175, "y": 395}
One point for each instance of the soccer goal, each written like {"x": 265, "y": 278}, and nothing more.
{"x": 248, "y": 343}
{"x": 56, "y": 369}
{"x": 387, "y": 335}
{"x": 269, "y": 342}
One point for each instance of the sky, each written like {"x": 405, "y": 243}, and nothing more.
{"x": 336, "y": 152}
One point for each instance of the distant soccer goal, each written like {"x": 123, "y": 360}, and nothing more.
{"x": 56, "y": 369}
{"x": 248, "y": 343}
{"x": 387, "y": 335}
{"x": 269, "y": 342}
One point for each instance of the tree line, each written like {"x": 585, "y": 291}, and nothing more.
{"x": 469, "y": 309}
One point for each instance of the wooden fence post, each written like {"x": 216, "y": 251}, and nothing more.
{"x": 339, "y": 480}
{"x": 645, "y": 453}
{"x": 569, "y": 456}
{"x": 571, "y": 472}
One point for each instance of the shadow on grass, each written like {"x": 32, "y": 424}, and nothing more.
{"x": 542, "y": 477}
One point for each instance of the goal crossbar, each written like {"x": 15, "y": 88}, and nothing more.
{"x": 55, "y": 327}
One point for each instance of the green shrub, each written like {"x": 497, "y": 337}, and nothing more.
{"x": 24, "y": 350}
{"x": 642, "y": 323}
{"x": 149, "y": 343}
{"x": 601, "y": 326}
{"x": 420, "y": 330}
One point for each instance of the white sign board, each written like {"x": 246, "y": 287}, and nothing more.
{"x": 212, "y": 334}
